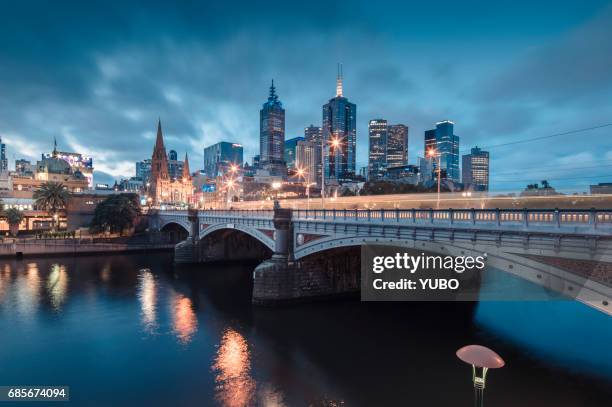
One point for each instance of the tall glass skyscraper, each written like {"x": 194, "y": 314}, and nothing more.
{"x": 272, "y": 136}
{"x": 377, "y": 153}
{"x": 339, "y": 135}
{"x": 445, "y": 144}
{"x": 290, "y": 146}
{"x": 397, "y": 145}
{"x": 219, "y": 158}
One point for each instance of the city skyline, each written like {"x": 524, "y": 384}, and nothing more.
{"x": 101, "y": 97}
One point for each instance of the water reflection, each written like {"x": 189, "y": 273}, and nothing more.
{"x": 185, "y": 323}
{"x": 5, "y": 280}
{"x": 147, "y": 294}
{"x": 27, "y": 291}
{"x": 271, "y": 397}
{"x": 234, "y": 384}
{"x": 57, "y": 286}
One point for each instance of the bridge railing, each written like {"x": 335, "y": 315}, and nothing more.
{"x": 594, "y": 218}
{"x": 242, "y": 213}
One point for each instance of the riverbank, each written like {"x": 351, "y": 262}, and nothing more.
{"x": 67, "y": 247}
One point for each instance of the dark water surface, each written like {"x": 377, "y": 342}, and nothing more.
{"x": 120, "y": 335}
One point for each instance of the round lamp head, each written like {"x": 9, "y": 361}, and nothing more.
{"x": 480, "y": 356}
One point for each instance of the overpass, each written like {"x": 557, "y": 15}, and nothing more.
{"x": 568, "y": 251}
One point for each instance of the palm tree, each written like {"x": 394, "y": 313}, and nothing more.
{"x": 51, "y": 197}
{"x": 14, "y": 217}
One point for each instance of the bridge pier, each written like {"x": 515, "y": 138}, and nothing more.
{"x": 188, "y": 251}
{"x": 282, "y": 279}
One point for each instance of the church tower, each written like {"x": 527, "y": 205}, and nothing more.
{"x": 159, "y": 168}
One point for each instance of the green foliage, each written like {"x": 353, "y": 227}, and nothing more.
{"x": 13, "y": 216}
{"x": 51, "y": 197}
{"x": 115, "y": 213}
{"x": 387, "y": 187}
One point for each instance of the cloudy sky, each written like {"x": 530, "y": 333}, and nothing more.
{"x": 98, "y": 76}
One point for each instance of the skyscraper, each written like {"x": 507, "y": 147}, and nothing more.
{"x": 475, "y": 171}
{"x": 143, "y": 170}
{"x": 3, "y": 159}
{"x": 339, "y": 135}
{"x": 272, "y": 135}
{"x": 290, "y": 146}
{"x": 445, "y": 145}
{"x": 175, "y": 166}
{"x": 219, "y": 158}
{"x": 397, "y": 145}
{"x": 305, "y": 159}
{"x": 314, "y": 135}
{"x": 377, "y": 153}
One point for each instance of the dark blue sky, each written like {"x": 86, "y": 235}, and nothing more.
{"x": 98, "y": 76}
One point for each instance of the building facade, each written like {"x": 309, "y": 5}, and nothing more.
{"x": 445, "y": 145}
{"x": 220, "y": 157}
{"x": 314, "y": 134}
{"x": 175, "y": 166}
{"x": 306, "y": 160}
{"x": 272, "y": 136}
{"x": 3, "y": 159}
{"x": 143, "y": 170}
{"x": 164, "y": 189}
{"x": 397, "y": 145}
{"x": 290, "y": 146}
{"x": 77, "y": 162}
{"x": 475, "y": 170}
{"x": 377, "y": 153}
{"x": 339, "y": 132}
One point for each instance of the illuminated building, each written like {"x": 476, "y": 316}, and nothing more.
{"x": 314, "y": 134}
{"x": 143, "y": 170}
{"x": 220, "y": 157}
{"x": 3, "y": 159}
{"x": 77, "y": 162}
{"x": 445, "y": 145}
{"x": 397, "y": 145}
{"x": 272, "y": 136}
{"x": 377, "y": 153}
{"x": 340, "y": 135}
{"x": 290, "y": 146}
{"x": 475, "y": 175}
{"x": 305, "y": 159}
{"x": 164, "y": 189}
{"x": 52, "y": 168}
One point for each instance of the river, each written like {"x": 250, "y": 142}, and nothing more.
{"x": 136, "y": 330}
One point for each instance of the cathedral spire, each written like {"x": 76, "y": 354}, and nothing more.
{"x": 186, "y": 171}
{"x": 159, "y": 141}
{"x": 339, "y": 79}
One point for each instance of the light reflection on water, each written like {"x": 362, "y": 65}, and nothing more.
{"x": 185, "y": 322}
{"x": 147, "y": 294}
{"x": 125, "y": 317}
{"x": 232, "y": 366}
{"x": 57, "y": 286}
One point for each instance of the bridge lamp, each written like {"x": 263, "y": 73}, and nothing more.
{"x": 482, "y": 359}
{"x": 431, "y": 154}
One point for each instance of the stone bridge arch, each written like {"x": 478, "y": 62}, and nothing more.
{"x": 254, "y": 233}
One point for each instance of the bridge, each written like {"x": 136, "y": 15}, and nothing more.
{"x": 315, "y": 252}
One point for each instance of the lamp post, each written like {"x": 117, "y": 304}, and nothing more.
{"x": 230, "y": 185}
{"x": 334, "y": 143}
{"x": 302, "y": 174}
{"x": 432, "y": 153}
{"x": 482, "y": 359}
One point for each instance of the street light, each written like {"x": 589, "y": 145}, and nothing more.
{"x": 335, "y": 143}
{"x": 302, "y": 174}
{"x": 432, "y": 153}
{"x": 482, "y": 359}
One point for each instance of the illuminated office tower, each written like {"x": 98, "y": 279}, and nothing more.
{"x": 314, "y": 135}
{"x": 397, "y": 145}
{"x": 272, "y": 136}
{"x": 339, "y": 135}
{"x": 445, "y": 145}
{"x": 377, "y": 153}
{"x": 475, "y": 171}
